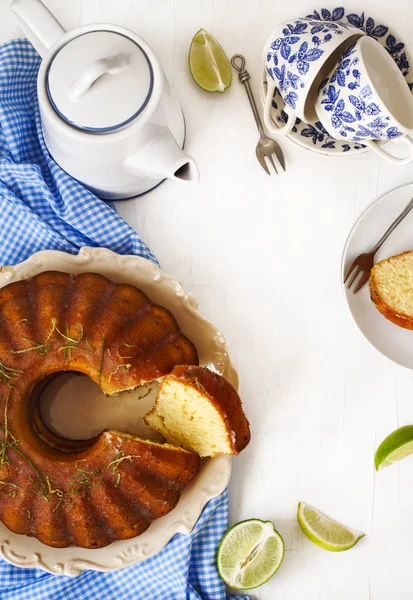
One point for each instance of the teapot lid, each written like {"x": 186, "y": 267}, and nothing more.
{"x": 99, "y": 81}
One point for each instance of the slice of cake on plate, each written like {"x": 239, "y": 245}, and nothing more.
{"x": 391, "y": 288}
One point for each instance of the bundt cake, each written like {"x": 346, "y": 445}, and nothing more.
{"x": 87, "y": 493}
{"x": 200, "y": 411}
{"x": 391, "y": 288}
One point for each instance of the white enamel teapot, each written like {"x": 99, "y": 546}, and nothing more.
{"x": 108, "y": 115}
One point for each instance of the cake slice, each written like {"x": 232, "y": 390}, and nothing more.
{"x": 200, "y": 411}
{"x": 391, "y": 288}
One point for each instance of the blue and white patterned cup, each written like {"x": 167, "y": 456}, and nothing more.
{"x": 298, "y": 55}
{"x": 366, "y": 99}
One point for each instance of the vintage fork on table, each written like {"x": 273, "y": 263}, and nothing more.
{"x": 266, "y": 147}
{"x": 365, "y": 262}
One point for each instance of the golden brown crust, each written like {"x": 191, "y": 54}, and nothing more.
{"x": 400, "y": 319}
{"x": 111, "y": 491}
{"x": 111, "y": 332}
{"x": 222, "y": 396}
{"x": 110, "y": 487}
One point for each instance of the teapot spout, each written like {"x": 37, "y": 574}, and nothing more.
{"x": 38, "y": 23}
{"x": 162, "y": 158}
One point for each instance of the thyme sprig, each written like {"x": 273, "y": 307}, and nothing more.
{"x": 41, "y": 484}
{"x": 8, "y": 374}
{"x": 9, "y": 441}
{"x": 101, "y": 360}
{"x": 124, "y": 366}
{"x": 126, "y": 346}
{"x": 119, "y": 457}
{"x": 70, "y": 342}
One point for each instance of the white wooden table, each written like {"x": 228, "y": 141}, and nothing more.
{"x": 262, "y": 256}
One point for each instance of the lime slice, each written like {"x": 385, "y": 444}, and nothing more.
{"x": 397, "y": 445}
{"x": 249, "y": 554}
{"x": 208, "y": 63}
{"x": 325, "y": 532}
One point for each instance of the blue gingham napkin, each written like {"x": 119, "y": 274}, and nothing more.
{"x": 41, "y": 207}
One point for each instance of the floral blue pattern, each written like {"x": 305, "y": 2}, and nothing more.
{"x": 298, "y": 53}
{"x": 394, "y": 48}
{"x": 326, "y": 26}
{"x": 349, "y": 74}
{"x": 346, "y": 119}
{"x": 343, "y": 70}
{"x": 306, "y": 55}
{"x": 362, "y": 104}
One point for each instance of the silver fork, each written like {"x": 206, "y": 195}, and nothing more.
{"x": 266, "y": 147}
{"x": 365, "y": 262}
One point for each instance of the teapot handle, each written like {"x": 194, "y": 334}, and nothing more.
{"x": 38, "y": 23}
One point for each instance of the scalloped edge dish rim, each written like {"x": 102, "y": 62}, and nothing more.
{"x": 28, "y": 552}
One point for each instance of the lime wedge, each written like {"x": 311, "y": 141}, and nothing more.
{"x": 208, "y": 63}
{"x": 249, "y": 554}
{"x": 325, "y": 532}
{"x": 396, "y": 446}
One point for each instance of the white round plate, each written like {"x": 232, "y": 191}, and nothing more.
{"x": 313, "y": 136}
{"x": 24, "y": 551}
{"x": 389, "y": 339}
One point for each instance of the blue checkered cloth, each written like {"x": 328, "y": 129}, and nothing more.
{"x": 184, "y": 570}
{"x": 41, "y": 207}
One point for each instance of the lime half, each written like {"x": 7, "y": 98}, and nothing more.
{"x": 249, "y": 554}
{"x": 208, "y": 63}
{"x": 325, "y": 532}
{"x": 396, "y": 446}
